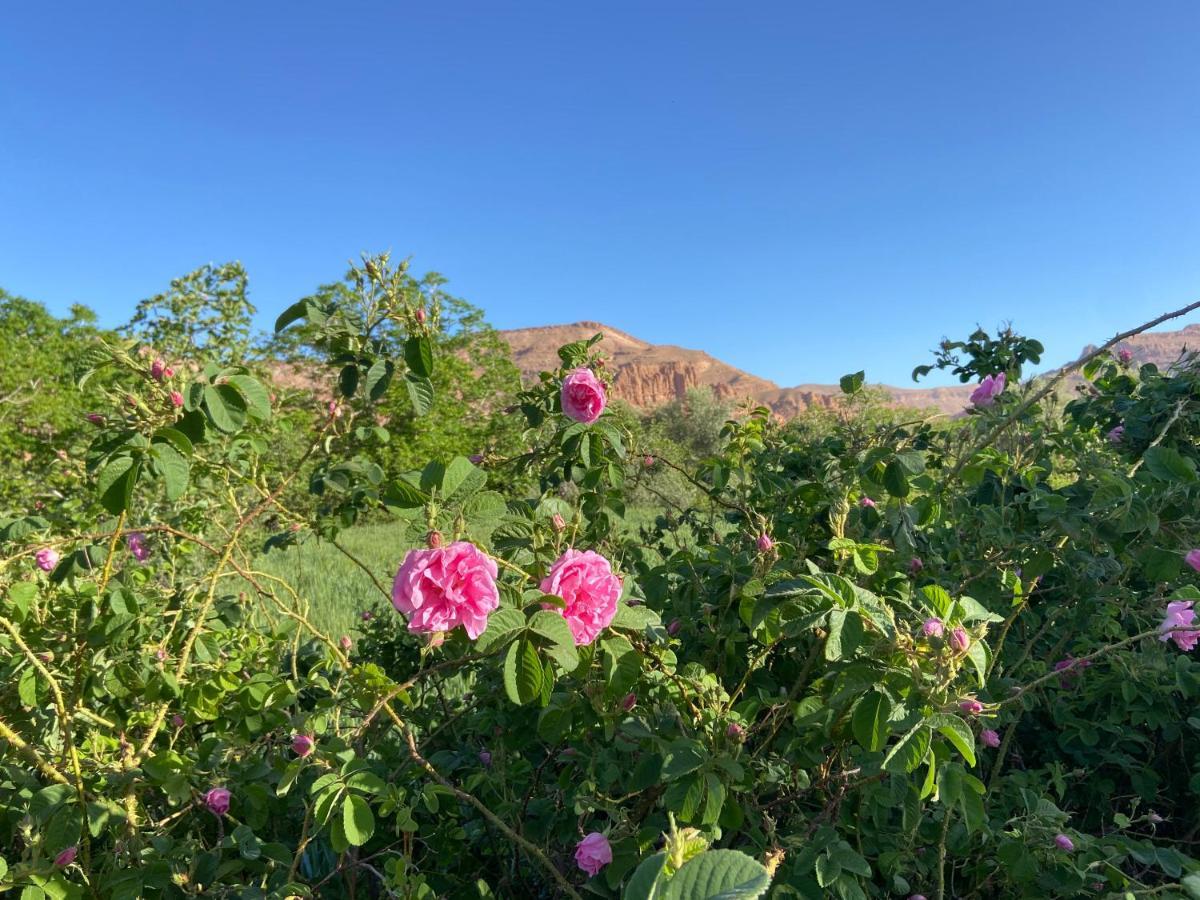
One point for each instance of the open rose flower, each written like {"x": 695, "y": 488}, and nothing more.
{"x": 583, "y": 396}
{"x": 217, "y": 801}
{"x": 989, "y": 738}
{"x": 1192, "y": 558}
{"x": 989, "y": 389}
{"x": 1116, "y": 435}
{"x": 440, "y": 589}
{"x": 137, "y": 546}
{"x": 590, "y": 590}
{"x": 593, "y": 853}
{"x": 47, "y": 559}
{"x": 1180, "y": 615}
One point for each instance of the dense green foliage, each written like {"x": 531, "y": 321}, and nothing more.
{"x": 856, "y": 655}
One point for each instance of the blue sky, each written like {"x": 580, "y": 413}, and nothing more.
{"x": 799, "y": 189}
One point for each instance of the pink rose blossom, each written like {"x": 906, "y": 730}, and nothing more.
{"x": 989, "y": 389}
{"x": 177, "y": 720}
{"x": 176, "y": 399}
{"x": 586, "y": 583}
{"x": 1192, "y": 558}
{"x": 366, "y": 615}
{"x": 583, "y": 396}
{"x": 971, "y": 706}
{"x": 647, "y": 461}
{"x": 765, "y": 543}
{"x": 160, "y": 654}
{"x": 933, "y": 627}
{"x": 168, "y": 372}
{"x": 303, "y": 744}
{"x": 440, "y": 589}
{"x": 593, "y": 853}
{"x": 735, "y": 731}
{"x": 157, "y": 369}
{"x": 217, "y": 801}
{"x": 558, "y": 522}
{"x": 136, "y": 541}
{"x": 1125, "y": 355}
{"x": 67, "y": 857}
{"x": 1180, "y": 614}
{"x": 989, "y": 738}
{"x": 960, "y": 640}
{"x": 1064, "y": 843}
{"x": 1116, "y": 435}
{"x": 47, "y": 558}
{"x": 345, "y": 643}
{"x": 485, "y": 757}
{"x": 915, "y": 565}
{"x": 866, "y": 503}
{"x": 476, "y": 458}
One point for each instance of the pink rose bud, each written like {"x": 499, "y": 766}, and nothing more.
{"x": 476, "y": 458}
{"x": 177, "y": 720}
{"x": 735, "y": 731}
{"x": 971, "y": 706}
{"x": 168, "y": 372}
{"x": 1116, "y": 435}
{"x": 960, "y": 640}
{"x": 764, "y": 543}
{"x": 157, "y": 369}
{"x": 866, "y": 503}
{"x": 485, "y": 758}
{"x": 295, "y": 526}
{"x": 302, "y": 744}
{"x": 583, "y": 396}
{"x": 420, "y": 315}
{"x": 560, "y": 524}
{"x": 346, "y": 643}
{"x": 590, "y": 590}
{"x": 915, "y": 565}
{"x": 593, "y": 853}
{"x": 1155, "y": 819}
{"x": 66, "y": 857}
{"x": 217, "y": 801}
{"x": 629, "y": 702}
{"x": 916, "y": 897}
{"x": 160, "y": 654}
{"x": 436, "y": 639}
{"x": 335, "y": 409}
{"x": 1192, "y": 558}
{"x": 433, "y": 540}
{"x": 989, "y": 738}
{"x": 932, "y": 627}
{"x": 1125, "y": 355}
{"x": 366, "y": 615}
{"x": 673, "y": 628}
{"x": 95, "y": 418}
{"x": 1064, "y": 843}
{"x": 176, "y": 399}
{"x": 647, "y": 461}
{"x": 47, "y": 558}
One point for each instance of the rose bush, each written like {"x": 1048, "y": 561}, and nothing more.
{"x": 884, "y": 658}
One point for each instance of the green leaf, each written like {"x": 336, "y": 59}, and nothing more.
{"x": 225, "y": 407}
{"x": 644, "y": 883}
{"x": 1169, "y": 464}
{"x": 553, "y": 627}
{"x": 348, "y": 380}
{"x": 852, "y": 384}
{"x": 418, "y": 353}
{"x": 895, "y": 479}
{"x": 718, "y": 875}
{"x": 870, "y": 720}
{"x": 115, "y": 484}
{"x": 501, "y": 625}
{"x": 714, "y": 799}
{"x": 400, "y": 495}
{"x": 172, "y": 467}
{"x": 621, "y": 665}
{"x": 420, "y": 392}
{"x": 357, "y": 820}
{"x": 684, "y": 796}
{"x": 957, "y": 732}
{"x": 176, "y": 439}
{"x": 293, "y": 313}
{"x": 684, "y": 755}
{"x": 909, "y": 751}
{"x": 523, "y": 674}
{"x": 379, "y": 377}
{"x": 258, "y": 401}
{"x": 460, "y": 480}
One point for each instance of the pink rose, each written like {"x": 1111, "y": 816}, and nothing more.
{"x": 558, "y": 522}
{"x": 345, "y": 643}
{"x": 485, "y": 757}
{"x": 177, "y": 720}
{"x": 66, "y": 857}
{"x": 960, "y": 640}
{"x": 593, "y": 853}
{"x": 303, "y": 744}
{"x": 1125, "y": 355}
{"x": 932, "y": 627}
{"x": 168, "y": 372}
{"x": 647, "y": 461}
{"x": 1192, "y": 558}
{"x": 217, "y": 801}
{"x": 673, "y": 628}
{"x": 440, "y": 589}
{"x": 586, "y": 583}
{"x": 583, "y": 396}
{"x": 1180, "y": 615}
{"x": 420, "y": 315}
{"x": 136, "y": 541}
{"x": 47, "y": 558}
{"x": 366, "y": 615}
{"x": 176, "y": 399}
{"x": 629, "y": 702}
{"x": 866, "y": 503}
{"x": 735, "y": 731}
{"x": 1116, "y": 435}
{"x": 971, "y": 706}
{"x": 157, "y": 369}
{"x": 95, "y": 418}
{"x": 989, "y": 389}
{"x": 765, "y": 543}
{"x": 1064, "y": 843}
{"x": 989, "y": 738}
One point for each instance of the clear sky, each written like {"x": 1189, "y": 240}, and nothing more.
{"x": 801, "y": 189}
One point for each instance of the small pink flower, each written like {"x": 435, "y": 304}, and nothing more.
{"x": 366, "y": 615}
{"x": 345, "y": 643}
{"x": 915, "y": 565}
{"x": 95, "y": 418}
{"x": 442, "y": 588}
{"x": 583, "y": 396}
{"x": 989, "y": 389}
{"x": 629, "y": 702}
{"x": 303, "y": 744}
{"x": 960, "y": 640}
{"x": 157, "y": 369}
{"x": 160, "y": 654}
{"x": 933, "y": 627}
{"x": 1116, "y": 435}
{"x": 67, "y": 857}
{"x": 558, "y": 522}
{"x": 593, "y": 853}
{"x": 647, "y": 461}
{"x": 586, "y": 583}
{"x": 1180, "y": 615}
{"x": 177, "y": 720}
{"x": 1125, "y": 355}
{"x": 176, "y": 399}
{"x": 136, "y": 541}
{"x": 47, "y": 558}
{"x": 335, "y": 409}
{"x": 168, "y": 372}
{"x": 866, "y": 503}
{"x": 989, "y": 738}
{"x": 476, "y": 458}
{"x": 673, "y": 628}
{"x": 1064, "y": 843}
{"x": 1192, "y": 558}
{"x": 486, "y": 758}
{"x": 735, "y": 731}
{"x": 971, "y": 706}
{"x": 433, "y": 540}
{"x": 217, "y": 801}
{"x": 765, "y": 543}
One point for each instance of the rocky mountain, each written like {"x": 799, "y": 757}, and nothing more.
{"x": 649, "y": 375}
